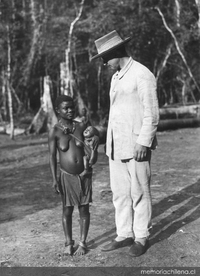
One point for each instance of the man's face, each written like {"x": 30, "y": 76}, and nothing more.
{"x": 111, "y": 61}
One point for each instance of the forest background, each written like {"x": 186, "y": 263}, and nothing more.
{"x": 46, "y": 43}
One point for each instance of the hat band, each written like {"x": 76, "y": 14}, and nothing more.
{"x": 109, "y": 44}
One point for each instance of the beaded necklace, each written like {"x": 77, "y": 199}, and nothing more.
{"x": 67, "y": 130}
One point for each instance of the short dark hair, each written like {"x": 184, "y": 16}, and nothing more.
{"x": 62, "y": 98}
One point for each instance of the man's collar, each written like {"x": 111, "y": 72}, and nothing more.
{"x": 125, "y": 68}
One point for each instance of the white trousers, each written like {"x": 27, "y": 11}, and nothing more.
{"x": 130, "y": 185}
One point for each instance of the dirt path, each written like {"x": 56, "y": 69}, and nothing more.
{"x": 30, "y": 216}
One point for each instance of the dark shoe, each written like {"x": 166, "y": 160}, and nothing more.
{"x": 138, "y": 249}
{"x": 117, "y": 244}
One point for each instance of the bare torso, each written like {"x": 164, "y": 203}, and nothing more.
{"x": 70, "y": 150}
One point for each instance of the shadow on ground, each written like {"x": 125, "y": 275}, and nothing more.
{"x": 185, "y": 214}
{"x": 169, "y": 225}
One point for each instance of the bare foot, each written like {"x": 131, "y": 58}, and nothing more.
{"x": 68, "y": 251}
{"x": 81, "y": 250}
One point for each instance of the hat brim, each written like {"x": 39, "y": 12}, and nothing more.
{"x": 114, "y": 47}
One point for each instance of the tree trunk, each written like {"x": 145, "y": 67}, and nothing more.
{"x": 45, "y": 118}
{"x": 164, "y": 62}
{"x": 198, "y": 8}
{"x": 178, "y": 123}
{"x": 177, "y": 13}
{"x": 180, "y": 52}
{"x": 99, "y": 86}
{"x": 35, "y": 42}
{"x": 64, "y": 80}
{"x": 76, "y": 83}
{"x": 184, "y": 89}
{"x": 4, "y": 98}
{"x": 20, "y": 104}
{"x": 66, "y": 74}
{"x": 68, "y": 51}
{"x": 8, "y": 85}
{"x": 178, "y": 112}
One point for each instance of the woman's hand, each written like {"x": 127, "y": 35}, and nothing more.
{"x": 85, "y": 174}
{"x": 55, "y": 186}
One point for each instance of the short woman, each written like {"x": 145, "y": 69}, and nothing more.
{"x": 66, "y": 138}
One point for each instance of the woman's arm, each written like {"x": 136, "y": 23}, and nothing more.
{"x": 53, "y": 158}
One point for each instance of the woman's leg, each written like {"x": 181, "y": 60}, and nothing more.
{"x": 67, "y": 227}
{"x": 84, "y": 227}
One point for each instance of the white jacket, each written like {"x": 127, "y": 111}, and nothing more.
{"x": 134, "y": 111}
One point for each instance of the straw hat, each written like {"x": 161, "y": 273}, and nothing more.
{"x": 108, "y": 42}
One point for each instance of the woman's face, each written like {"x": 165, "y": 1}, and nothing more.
{"x": 66, "y": 110}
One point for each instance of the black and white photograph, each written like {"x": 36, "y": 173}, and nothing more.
{"x": 99, "y": 137}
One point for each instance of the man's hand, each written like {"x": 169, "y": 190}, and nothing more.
{"x": 140, "y": 152}
{"x": 55, "y": 186}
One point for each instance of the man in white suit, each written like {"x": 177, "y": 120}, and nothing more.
{"x": 131, "y": 136}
